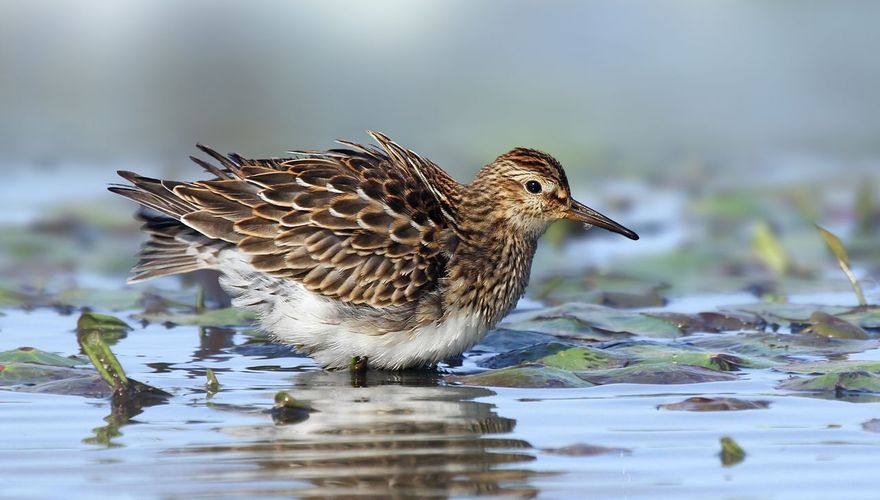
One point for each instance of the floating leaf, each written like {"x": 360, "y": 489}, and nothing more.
{"x": 585, "y": 450}
{"x": 715, "y": 404}
{"x": 831, "y": 326}
{"x": 651, "y": 352}
{"x": 784, "y": 314}
{"x": 652, "y": 373}
{"x": 839, "y": 252}
{"x": 229, "y": 316}
{"x": 586, "y": 318}
{"x": 842, "y": 382}
{"x": 556, "y": 355}
{"x": 26, "y": 373}
{"x": 780, "y": 346}
{"x": 731, "y": 452}
{"x": 524, "y": 376}
{"x": 37, "y": 357}
{"x": 836, "y": 366}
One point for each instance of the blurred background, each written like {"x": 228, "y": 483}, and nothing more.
{"x": 652, "y": 106}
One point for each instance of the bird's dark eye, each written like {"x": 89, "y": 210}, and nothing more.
{"x": 533, "y": 187}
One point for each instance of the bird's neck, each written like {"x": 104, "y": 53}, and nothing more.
{"x": 489, "y": 269}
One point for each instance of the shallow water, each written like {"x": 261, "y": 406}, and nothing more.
{"x": 411, "y": 433}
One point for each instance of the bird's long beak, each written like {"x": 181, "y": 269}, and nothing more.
{"x": 587, "y": 215}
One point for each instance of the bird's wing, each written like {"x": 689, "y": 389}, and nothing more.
{"x": 362, "y": 225}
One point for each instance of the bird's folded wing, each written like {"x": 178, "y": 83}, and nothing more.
{"x": 360, "y": 225}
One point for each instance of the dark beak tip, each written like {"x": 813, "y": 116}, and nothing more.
{"x": 632, "y": 236}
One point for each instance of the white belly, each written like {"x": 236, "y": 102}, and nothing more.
{"x": 313, "y": 324}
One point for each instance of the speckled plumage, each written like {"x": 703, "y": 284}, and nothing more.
{"x": 360, "y": 251}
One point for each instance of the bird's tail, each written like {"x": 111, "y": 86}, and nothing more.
{"x": 172, "y": 247}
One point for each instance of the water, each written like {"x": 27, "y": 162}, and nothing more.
{"x": 407, "y": 434}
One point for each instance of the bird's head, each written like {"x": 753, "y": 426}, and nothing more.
{"x": 530, "y": 191}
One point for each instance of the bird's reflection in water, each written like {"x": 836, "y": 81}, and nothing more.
{"x": 387, "y": 435}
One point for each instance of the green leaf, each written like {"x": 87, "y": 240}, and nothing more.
{"x": 37, "y": 357}
{"x": 731, "y": 452}
{"x": 524, "y": 376}
{"x": 842, "y": 382}
{"x": 839, "y": 252}
{"x": 213, "y": 384}
{"x": 229, "y": 316}
{"x": 831, "y": 326}
{"x": 556, "y": 355}
{"x": 27, "y": 373}
{"x": 655, "y": 373}
{"x": 90, "y": 341}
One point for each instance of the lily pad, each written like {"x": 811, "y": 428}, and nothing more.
{"x": 655, "y": 373}
{"x": 711, "y": 322}
{"x": 594, "y": 320}
{"x": 836, "y": 366}
{"x": 37, "y": 357}
{"x": 652, "y": 352}
{"x": 831, "y": 326}
{"x": 229, "y": 316}
{"x": 715, "y": 404}
{"x": 842, "y": 382}
{"x": 524, "y": 376}
{"x": 785, "y": 314}
{"x": 504, "y": 339}
{"x": 557, "y": 355}
{"x": 26, "y": 373}
{"x": 781, "y": 346}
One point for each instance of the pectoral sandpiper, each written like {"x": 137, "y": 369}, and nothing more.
{"x": 361, "y": 251}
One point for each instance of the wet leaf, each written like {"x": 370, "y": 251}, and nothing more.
{"x": 109, "y": 327}
{"x": 651, "y": 352}
{"x": 872, "y": 425}
{"x": 655, "y": 373}
{"x": 609, "y": 290}
{"x": 503, "y": 340}
{"x": 840, "y": 254}
{"x": 523, "y": 376}
{"x": 229, "y": 316}
{"x": 213, "y": 385}
{"x": 99, "y": 353}
{"x": 731, "y": 452}
{"x": 827, "y": 325}
{"x": 26, "y": 373}
{"x": 836, "y": 366}
{"x": 289, "y": 410}
{"x": 769, "y": 250}
{"x": 556, "y": 355}
{"x": 599, "y": 319}
{"x": 715, "y": 404}
{"x": 37, "y": 357}
{"x": 710, "y": 322}
{"x": 842, "y": 382}
{"x": 784, "y": 314}
{"x": 585, "y": 450}
{"x": 781, "y": 346}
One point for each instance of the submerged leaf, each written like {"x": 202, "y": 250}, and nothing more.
{"x": 524, "y": 376}
{"x": 652, "y": 373}
{"x": 585, "y": 450}
{"x": 715, "y": 404}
